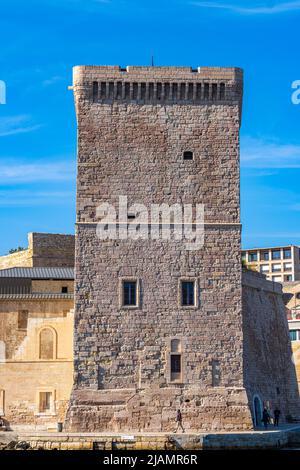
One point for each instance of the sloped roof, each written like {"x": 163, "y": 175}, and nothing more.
{"x": 37, "y": 296}
{"x": 38, "y": 273}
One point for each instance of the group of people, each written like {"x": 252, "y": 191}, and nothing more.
{"x": 267, "y": 417}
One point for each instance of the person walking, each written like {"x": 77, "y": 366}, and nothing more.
{"x": 276, "y": 416}
{"x": 265, "y": 418}
{"x": 179, "y": 421}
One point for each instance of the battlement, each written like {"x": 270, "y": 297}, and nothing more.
{"x": 158, "y": 85}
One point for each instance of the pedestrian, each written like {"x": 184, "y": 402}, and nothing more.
{"x": 276, "y": 416}
{"x": 179, "y": 421}
{"x": 265, "y": 418}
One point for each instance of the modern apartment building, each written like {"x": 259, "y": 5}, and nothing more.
{"x": 279, "y": 264}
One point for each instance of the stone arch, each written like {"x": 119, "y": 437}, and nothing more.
{"x": 175, "y": 345}
{"x": 47, "y": 343}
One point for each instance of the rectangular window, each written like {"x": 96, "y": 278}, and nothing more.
{"x": 264, "y": 268}
{"x": 22, "y": 319}
{"x": 276, "y": 278}
{"x": 45, "y": 402}
{"x": 175, "y": 367}
{"x": 276, "y": 254}
{"x": 288, "y": 278}
{"x": 64, "y": 289}
{"x": 293, "y": 335}
{"x": 287, "y": 253}
{"x": 187, "y": 293}
{"x": 288, "y": 266}
{"x": 265, "y": 256}
{"x": 129, "y": 293}
{"x": 253, "y": 256}
{"x": 276, "y": 268}
{"x": 216, "y": 374}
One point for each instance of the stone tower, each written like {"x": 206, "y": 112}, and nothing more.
{"x": 157, "y": 326}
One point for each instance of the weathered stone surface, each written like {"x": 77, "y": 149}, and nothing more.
{"x": 44, "y": 249}
{"x": 269, "y": 371}
{"x": 131, "y": 143}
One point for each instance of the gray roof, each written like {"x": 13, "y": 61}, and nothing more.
{"x": 38, "y": 273}
{"x": 36, "y": 296}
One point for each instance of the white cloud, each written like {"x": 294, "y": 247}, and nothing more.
{"x": 260, "y": 9}
{"x": 20, "y": 124}
{"x": 262, "y": 153}
{"x": 52, "y": 80}
{"x": 30, "y": 197}
{"x": 16, "y": 172}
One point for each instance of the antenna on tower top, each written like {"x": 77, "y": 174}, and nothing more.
{"x": 152, "y": 60}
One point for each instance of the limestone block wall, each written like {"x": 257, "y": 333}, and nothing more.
{"x": 52, "y": 249}
{"x": 133, "y": 127}
{"x": 22, "y": 385}
{"x": 20, "y": 258}
{"x": 44, "y": 250}
{"x": 135, "y": 146}
{"x": 24, "y": 372}
{"x": 52, "y": 286}
{"x": 269, "y": 371}
{"x": 38, "y": 310}
{"x": 122, "y": 368}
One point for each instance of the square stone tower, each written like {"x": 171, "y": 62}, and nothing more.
{"x": 158, "y": 326}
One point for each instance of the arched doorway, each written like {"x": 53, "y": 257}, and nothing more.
{"x": 257, "y": 408}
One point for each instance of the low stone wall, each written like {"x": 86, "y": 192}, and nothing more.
{"x": 159, "y": 441}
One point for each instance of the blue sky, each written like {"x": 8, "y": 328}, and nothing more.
{"x": 42, "y": 40}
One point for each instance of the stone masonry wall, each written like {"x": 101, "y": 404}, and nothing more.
{"x": 131, "y": 144}
{"x": 44, "y": 250}
{"x": 269, "y": 372}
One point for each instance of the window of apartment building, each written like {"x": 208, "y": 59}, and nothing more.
{"x": 47, "y": 344}
{"x": 276, "y": 254}
{"x": 45, "y": 402}
{"x": 252, "y": 256}
{"x": 295, "y": 335}
{"x": 22, "y": 319}
{"x": 265, "y": 256}
{"x": 264, "y": 268}
{"x": 176, "y": 360}
{"x": 287, "y": 253}
{"x": 276, "y": 278}
{"x": 2, "y": 402}
{"x": 64, "y": 289}
{"x": 188, "y": 293}
{"x": 276, "y": 268}
{"x": 130, "y": 293}
{"x": 287, "y": 266}
{"x": 288, "y": 278}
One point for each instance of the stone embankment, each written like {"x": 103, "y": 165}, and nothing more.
{"x": 289, "y": 437}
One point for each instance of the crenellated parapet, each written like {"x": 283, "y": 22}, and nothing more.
{"x": 158, "y": 85}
